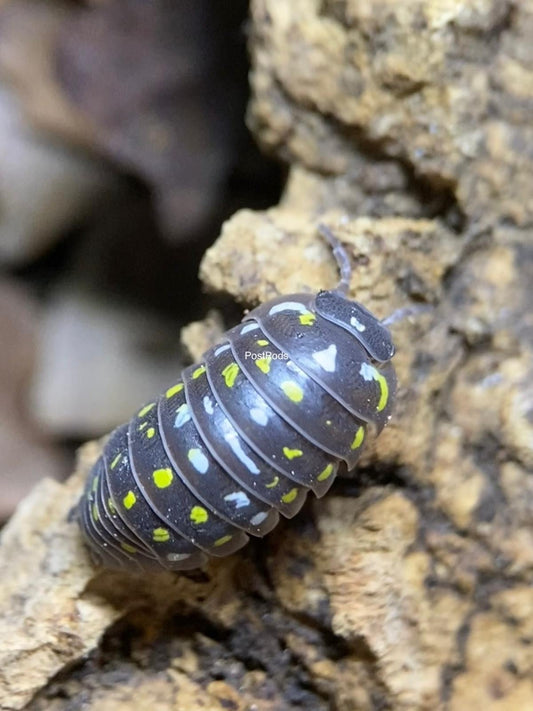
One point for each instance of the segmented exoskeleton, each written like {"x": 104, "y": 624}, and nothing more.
{"x": 266, "y": 416}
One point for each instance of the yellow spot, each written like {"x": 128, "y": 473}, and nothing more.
{"x": 262, "y": 342}
{"x": 150, "y": 432}
{"x": 162, "y": 477}
{"x": 199, "y": 371}
{"x": 263, "y": 364}
{"x": 358, "y": 439}
{"x": 174, "y": 390}
{"x": 111, "y": 505}
{"x": 160, "y": 535}
{"x": 328, "y": 471}
{"x": 129, "y": 500}
{"x": 307, "y": 319}
{"x": 328, "y": 423}
{"x": 384, "y": 388}
{"x": 95, "y": 484}
{"x": 292, "y": 390}
{"x": 115, "y": 461}
{"x": 292, "y": 453}
{"x": 230, "y": 373}
{"x": 142, "y": 426}
{"x": 221, "y": 541}
{"x": 146, "y": 409}
{"x": 273, "y": 483}
{"x": 95, "y": 513}
{"x": 129, "y": 549}
{"x": 289, "y": 496}
{"x": 198, "y": 514}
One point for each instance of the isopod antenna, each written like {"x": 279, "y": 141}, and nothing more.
{"x": 341, "y": 257}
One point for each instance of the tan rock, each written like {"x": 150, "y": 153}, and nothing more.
{"x": 332, "y": 80}
{"x": 46, "y": 620}
{"x": 199, "y": 336}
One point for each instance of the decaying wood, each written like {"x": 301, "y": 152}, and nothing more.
{"x": 410, "y": 585}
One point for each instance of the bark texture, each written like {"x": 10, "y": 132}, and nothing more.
{"x": 410, "y": 587}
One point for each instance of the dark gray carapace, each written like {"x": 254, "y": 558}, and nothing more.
{"x": 266, "y": 416}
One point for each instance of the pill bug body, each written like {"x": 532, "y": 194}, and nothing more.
{"x": 268, "y": 415}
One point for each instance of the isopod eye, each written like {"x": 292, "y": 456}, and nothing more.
{"x": 354, "y": 318}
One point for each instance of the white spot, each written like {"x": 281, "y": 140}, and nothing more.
{"x": 223, "y": 348}
{"x": 233, "y": 440}
{"x": 198, "y": 459}
{"x": 183, "y": 416}
{"x": 258, "y": 415}
{"x": 357, "y": 324}
{"x": 326, "y": 358}
{"x": 288, "y": 306}
{"x": 208, "y": 405}
{"x": 239, "y": 498}
{"x": 258, "y": 519}
{"x": 175, "y": 557}
{"x": 249, "y": 327}
{"x": 368, "y": 372}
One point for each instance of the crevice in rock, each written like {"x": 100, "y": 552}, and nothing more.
{"x": 451, "y": 671}
{"x": 380, "y": 474}
{"x": 434, "y": 193}
{"x": 334, "y": 10}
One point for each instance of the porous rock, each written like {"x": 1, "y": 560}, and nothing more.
{"x": 442, "y": 87}
{"x": 46, "y": 620}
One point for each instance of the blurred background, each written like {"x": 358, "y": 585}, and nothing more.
{"x": 123, "y": 147}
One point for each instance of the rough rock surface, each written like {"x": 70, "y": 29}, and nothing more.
{"x": 47, "y": 621}
{"x": 444, "y": 88}
{"x": 405, "y": 126}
